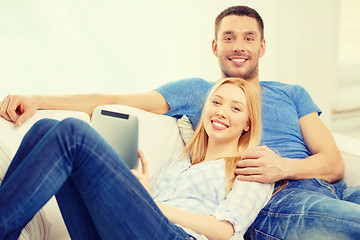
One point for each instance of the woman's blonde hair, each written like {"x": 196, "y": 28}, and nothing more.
{"x": 197, "y": 146}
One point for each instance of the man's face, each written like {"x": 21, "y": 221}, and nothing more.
{"x": 238, "y": 47}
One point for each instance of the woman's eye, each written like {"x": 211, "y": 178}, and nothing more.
{"x": 215, "y": 102}
{"x": 236, "y": 109}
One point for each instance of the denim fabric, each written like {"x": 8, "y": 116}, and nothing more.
{"x": 98, "y": 195}
{"x": 310, "y": 209}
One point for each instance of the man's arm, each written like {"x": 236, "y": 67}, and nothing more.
{"x": 19, "y": 109}
{"x": 263, "y": 165}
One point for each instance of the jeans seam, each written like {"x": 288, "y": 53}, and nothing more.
{"x": 308, "y": 215}
{"x": 266, "y": 236}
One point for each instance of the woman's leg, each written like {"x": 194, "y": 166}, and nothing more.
{"x": 72, "y": 205}
{"x": 118, "y": 205}
{"x": 34, "y": 136}
{"x": 37, "y": 135}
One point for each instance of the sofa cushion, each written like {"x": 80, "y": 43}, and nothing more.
{"x": 185, "y": 128}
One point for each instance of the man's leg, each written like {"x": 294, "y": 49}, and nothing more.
{"x": 308, "y": 209}
{"x": 352, "y": 194}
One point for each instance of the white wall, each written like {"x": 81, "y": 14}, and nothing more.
{"x": 78, "y": 46}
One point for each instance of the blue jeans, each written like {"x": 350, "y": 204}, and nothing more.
{"x": 98, "y": 195}
{"x": 310, "y": 209}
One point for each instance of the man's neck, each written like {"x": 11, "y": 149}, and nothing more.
{"x": 254, "y": 80}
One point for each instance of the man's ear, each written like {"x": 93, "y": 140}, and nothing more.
{"x": 214, "y": 47}
{"x": 262, "y": 48}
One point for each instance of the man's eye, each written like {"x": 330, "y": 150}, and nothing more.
{"x": 249, "y": 39}
{"x": 228, "y": 39}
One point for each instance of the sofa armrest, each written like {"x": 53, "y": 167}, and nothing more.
{"x": 12, "y": 135}
{"x": 350, "y": 151}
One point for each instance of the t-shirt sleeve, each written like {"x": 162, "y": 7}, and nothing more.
{"x": 186, "y": 97}
{"x": 242, "y": 205}
{"x": 303, "y": 102}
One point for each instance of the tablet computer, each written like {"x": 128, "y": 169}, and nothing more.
{"x": 120, "y": 130}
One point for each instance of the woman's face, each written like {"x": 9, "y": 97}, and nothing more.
{"x": 226, "y": 115}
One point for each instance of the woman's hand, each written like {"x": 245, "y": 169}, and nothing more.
{"x": 143, "y": 176}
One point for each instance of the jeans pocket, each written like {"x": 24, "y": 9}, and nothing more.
{"x": 325, "y": 184}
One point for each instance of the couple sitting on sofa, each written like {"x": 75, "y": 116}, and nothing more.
{"x": 306, "y": 206}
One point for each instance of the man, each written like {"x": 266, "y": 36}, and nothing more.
{"x": 296, "y": 144}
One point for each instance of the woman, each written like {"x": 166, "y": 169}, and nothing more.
{"x": 194, "y": 197}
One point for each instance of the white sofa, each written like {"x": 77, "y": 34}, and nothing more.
{"x": 159, "y": 139}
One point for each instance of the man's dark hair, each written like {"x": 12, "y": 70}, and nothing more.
{"x": 240, "y": 11}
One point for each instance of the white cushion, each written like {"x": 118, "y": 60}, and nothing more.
{"x": 350, "y": 151}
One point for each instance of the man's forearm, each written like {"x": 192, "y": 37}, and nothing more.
{"x": 84, "y": 103}
{"x": 150, "y": 101}
{"x": 326, "y": 166}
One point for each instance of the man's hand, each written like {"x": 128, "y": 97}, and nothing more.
{"x": 18, "y": 109}
{"x": 143, "y": 176}
{"x": 261, "y": 164}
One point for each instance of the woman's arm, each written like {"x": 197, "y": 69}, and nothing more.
{"x": 200, "y": 223}
{"x": 207, "y": 225}
{"x": 243, "y": 204}
{"x": 235, "y": 213}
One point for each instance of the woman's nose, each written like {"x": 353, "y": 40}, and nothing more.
{"x": 221, "y": 113}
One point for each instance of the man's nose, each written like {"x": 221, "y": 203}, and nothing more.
{"x": 239, "y": 46}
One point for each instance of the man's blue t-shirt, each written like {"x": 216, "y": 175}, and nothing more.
{"x": 282, "y": 107}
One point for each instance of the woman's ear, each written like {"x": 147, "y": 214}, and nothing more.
{"x": 247, "y": 128}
